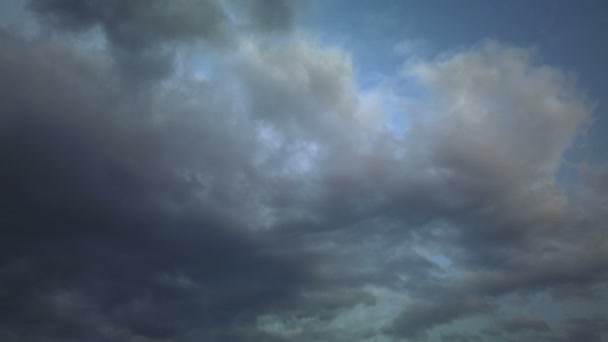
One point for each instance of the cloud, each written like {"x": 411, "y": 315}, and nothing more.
{"x": 524, "y": 324}
{"x": 426, "y": 314}
{"x": 588, "y": 328}
{"x": 94, "y": 205}
{"x": 272, "y": 15}
{"x": 268, "y": 200}
{"x": 143, "y": 35}
{"x": 458, "y": 337}
{"x": 299, "y": 82}
{"x": 410, "y": 48}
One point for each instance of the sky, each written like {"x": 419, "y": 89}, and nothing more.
{"x": 323, "y": 170}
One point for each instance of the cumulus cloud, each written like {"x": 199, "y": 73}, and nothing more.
{"x": 143, "y": 35}
{"x": 268, "y": 200}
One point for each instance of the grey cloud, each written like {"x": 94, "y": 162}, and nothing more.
{"x": 492, "y": 332}
{"x": 591, "y": 328}
{"x": 191, "y": 209}
{"x": 524, "y": 324}
{"x": 499, "y": 204}
{"x": 272, "y": 15}
{"x": 94, "y": 208}
{"x": 426, "y": 314}
{"x": 467, "y": 166}
{"x": 300, "y": 87}
{"x": 145, "y": 34}
{"x": 460, "y": 337}
{"x": 137, "y": 24}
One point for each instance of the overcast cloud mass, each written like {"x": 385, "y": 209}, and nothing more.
{"x": 275, "y": 170}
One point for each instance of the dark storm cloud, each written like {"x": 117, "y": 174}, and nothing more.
{"x": 524, "y": 324}
{"x": 137, "y": 24}
{"x": 586, "y": 329}
{"x": 100, "y": 240}
{"x": 265, "y": 201}
{"x": 144, "y": 34}
{"x": 459, "y": 337}
{"x": 426, "y": 314}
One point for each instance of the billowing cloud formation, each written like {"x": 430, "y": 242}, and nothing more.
{"x": 269, "y": 198}
{"x": 143, "y": 34}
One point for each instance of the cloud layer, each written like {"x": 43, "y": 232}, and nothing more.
{"x": 204, "y": 171}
